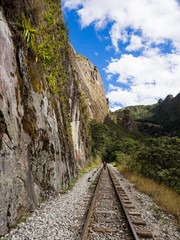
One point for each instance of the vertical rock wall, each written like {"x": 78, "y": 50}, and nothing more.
{"x": 44, "y": 107}
{"x": 92, "y": 88}
{"x": 38, "y": 152}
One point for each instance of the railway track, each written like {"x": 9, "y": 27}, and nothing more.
{"x": 111, "y": 214}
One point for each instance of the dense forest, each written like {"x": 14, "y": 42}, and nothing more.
{"x": 157, "y": 158}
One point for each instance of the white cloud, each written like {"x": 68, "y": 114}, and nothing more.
{"x": 115, "y": 107}
{"x": 156, "y": 19}
{"x": 109, "y": 77}
{"x": 135, "y": 43}
{"x": 146, "y": 25}
{"x": 124, "y": 97}
{"x": 72, "y": 4}
{"x": 108, "y": 48}
{"x": 112, "y": 87}
{"x": 149, "y": 78}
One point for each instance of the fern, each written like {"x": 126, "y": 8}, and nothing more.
{"x": 29, "y": 32}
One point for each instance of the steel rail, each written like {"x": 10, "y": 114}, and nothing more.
{"x": 89, "y": 218}
{"x": 123, "y": 207}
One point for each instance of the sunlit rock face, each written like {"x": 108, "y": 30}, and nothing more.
{"x": 42, "y": 141}
{"x": 92, "y": 88}
{"x": 92, "y": 103}
{"x": 36, "y": 156}
{"x": 12, "y": 187}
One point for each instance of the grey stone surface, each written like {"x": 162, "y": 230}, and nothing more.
{"x": 62, "y": 216}
{"x": 38, "y": 157}
{"x": 163, "y": 227}
{"x": 44, "y": 137}
{"x": 56, "y": 218}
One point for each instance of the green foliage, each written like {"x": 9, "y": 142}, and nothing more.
{"x": 72, "y": 183}
{"x": 160, "y": 160}
{"x": 110, "y": 141}
{"x": 44, "y": 54}
{"x": 159, "y": 119}
{"x": 51, "y": 54}
{"x": 101, "y": 138}
{"x": 51, "y": 45}
{"x": 29, "y": 32}
{"x": 42, "y": 27}
{"x": 138, "y": 112}
{"x": 126, "y": 145}
{"x": 155, "y": 158}
{"x": 23, "y": 217}
{"x": 157, "y": 211}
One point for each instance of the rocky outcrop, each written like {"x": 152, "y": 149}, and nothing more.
{"x": 129, "y": 124}
{"x": 158, "y": 119}
{"x": 92, "y": 88}
{"x": 92, "y": 100}
{"x": 126, "y": 121}
{"x": 170, "y": 108}
{"x": 35, "y": 152}
{"x": 44, "y": 134}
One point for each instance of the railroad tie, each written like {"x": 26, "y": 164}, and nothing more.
{"x": 134, "y": 213}
{"x": 111, "y": 213}
{"x": 138, "y": 222}
{"x": 105, "y": 229}
{"x": 144, "y": 234}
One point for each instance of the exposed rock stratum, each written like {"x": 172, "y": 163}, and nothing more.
{"x": 44, "y": 135}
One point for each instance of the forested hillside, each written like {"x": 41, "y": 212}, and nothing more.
{"x": 161, "y": 119}
{"x": 157, "y": 158}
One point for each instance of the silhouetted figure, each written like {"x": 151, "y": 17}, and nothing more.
{"x": 104, "y": 165}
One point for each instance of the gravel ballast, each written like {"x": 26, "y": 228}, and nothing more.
{"x": 58, "y": 218}
{"x": 159, "y": 223}
{"x": 54, "y": 218}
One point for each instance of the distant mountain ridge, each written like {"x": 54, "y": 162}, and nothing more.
{"x": 158, "y": 119}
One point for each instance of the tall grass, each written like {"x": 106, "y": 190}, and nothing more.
{"x": 165, "y": 197}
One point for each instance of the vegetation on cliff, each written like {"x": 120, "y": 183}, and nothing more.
{"x": 44, "y": 116}
{"x": 39, "y": 29}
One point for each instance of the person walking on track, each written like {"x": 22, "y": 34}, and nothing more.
{"x": 104, "y": 165}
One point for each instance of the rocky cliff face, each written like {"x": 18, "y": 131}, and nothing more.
{"x": 43, "y": 117}
{"x": 170, "y": 107}
{"x": 128, "y": 123}
{"x": 92, "y": 88}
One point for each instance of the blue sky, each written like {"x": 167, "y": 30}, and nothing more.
{"x": 134, "y": 43}
{"x": 90, "y": 43}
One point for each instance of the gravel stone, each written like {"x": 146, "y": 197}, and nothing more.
{"x": 62, "y": 217}
{"x": 52, "y": 221}
{"x": 163, "y": 228}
